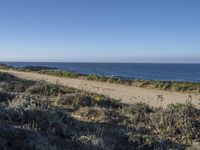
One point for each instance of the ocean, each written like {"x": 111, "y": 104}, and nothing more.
{"x": 147, "y": 71}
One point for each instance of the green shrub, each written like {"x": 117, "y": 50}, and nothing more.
{"x": 176, "y": 107}
{"x": 140, "y": 108}
{"x": 45, "y": 89}
{"x": 142, "y": 141}
{"x": 178, "y": 119}
{"x": 92, "y": 77}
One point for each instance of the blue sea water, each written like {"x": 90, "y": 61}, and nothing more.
{"x": 172, "y": 72}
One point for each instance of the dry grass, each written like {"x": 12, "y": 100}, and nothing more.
{"x": 127, "y": 94}
{"x": 48, "y": 116}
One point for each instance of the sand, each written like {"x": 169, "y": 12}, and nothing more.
{"x": 127, "y": 94}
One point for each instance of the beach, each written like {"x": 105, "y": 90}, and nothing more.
{"x": 126, "y": 94}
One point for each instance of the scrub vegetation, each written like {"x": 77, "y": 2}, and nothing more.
{"x": 189, "y": 87}
{"x": 39, "y": 115}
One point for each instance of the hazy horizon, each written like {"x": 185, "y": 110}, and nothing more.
{"x": 138, "y": 60}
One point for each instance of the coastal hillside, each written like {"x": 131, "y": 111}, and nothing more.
{"x": 149, "y": 91}
{"x": 99, "y": 75}
{"x": 38, "y": 115}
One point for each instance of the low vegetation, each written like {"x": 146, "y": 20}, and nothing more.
{"x": 189, "y": 87}
{"x": 36, "y": 68}
{"x": 39, "y": 115}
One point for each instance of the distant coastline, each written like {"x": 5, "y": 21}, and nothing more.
{"x": 187, "y": 72}
{"x": 178, "y": 86}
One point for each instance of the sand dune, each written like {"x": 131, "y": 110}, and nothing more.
{"x": 127, "y": 94}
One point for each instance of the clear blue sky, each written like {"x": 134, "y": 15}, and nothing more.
{"x": 100, "y": 30}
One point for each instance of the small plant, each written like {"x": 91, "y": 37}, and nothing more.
{"x": 180, "y": 107}
{"x": 140, "y": 141}
{"x": 45, "y": 89}
{"x": 139, "y": 108}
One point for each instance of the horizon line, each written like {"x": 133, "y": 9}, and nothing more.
{"x": 99, "y": 62}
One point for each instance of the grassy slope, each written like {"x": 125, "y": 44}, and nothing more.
{"x": 190, "y": 87}
{"x": 38, "y": 115}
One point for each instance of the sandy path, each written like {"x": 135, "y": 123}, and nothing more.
{"x": 127, "y": 94}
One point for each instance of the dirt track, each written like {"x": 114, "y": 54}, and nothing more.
{"x": 127, "y": 94}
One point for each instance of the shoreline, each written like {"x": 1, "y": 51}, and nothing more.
{"x": 30, "y": 67}
{"x": 177, "y": 86}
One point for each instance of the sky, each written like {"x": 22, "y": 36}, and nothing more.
{"x": 100, "y": 30}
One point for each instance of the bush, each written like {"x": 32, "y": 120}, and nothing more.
{"x": 178, "y": 119}
{"x": 45, "y": 89}
{"x": 140, "y": 108}
{"x": 92, "y": 77}
{"x": 5, "y": 97}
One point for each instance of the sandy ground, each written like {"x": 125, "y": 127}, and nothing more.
{"x": 127, "y": 94}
